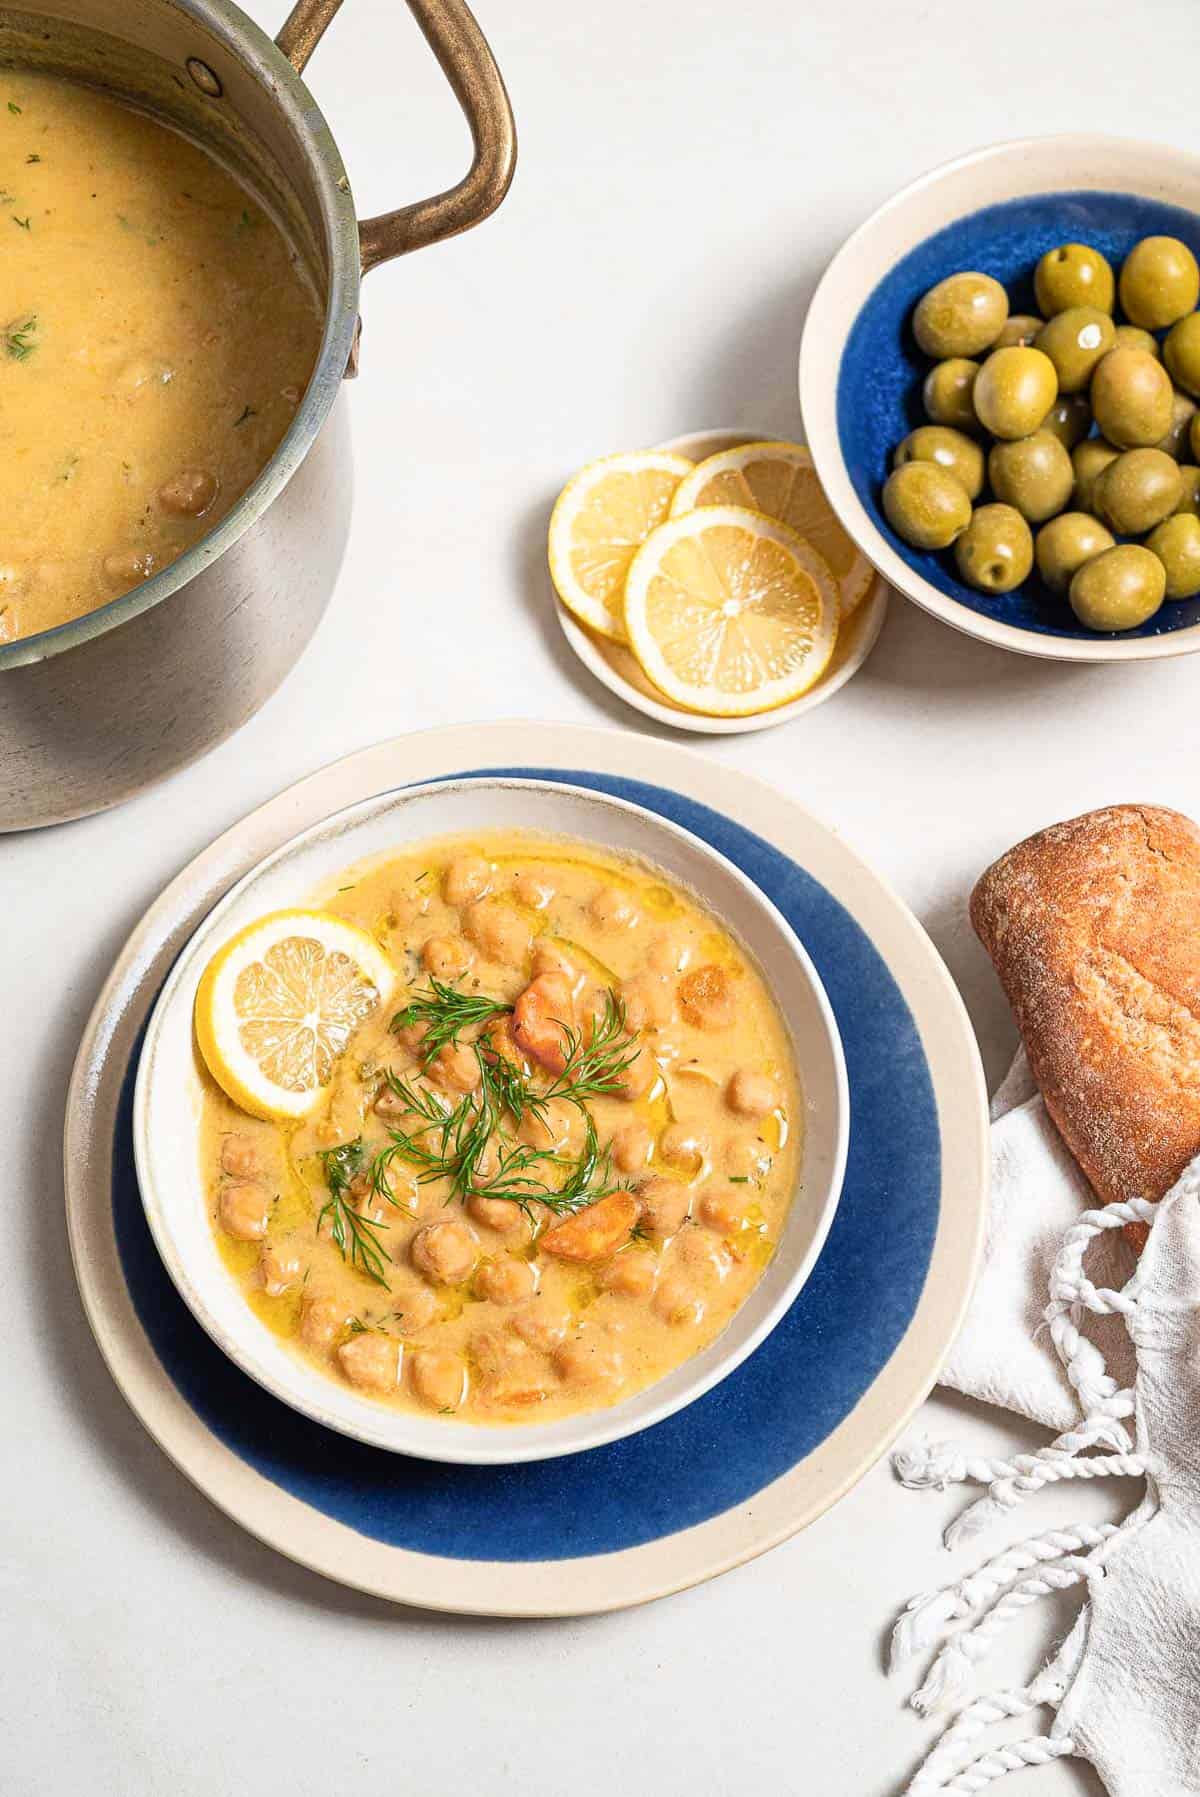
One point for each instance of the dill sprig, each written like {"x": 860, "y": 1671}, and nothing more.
{"x": 593, "y": 1069}
{"x": 357, "y": 1238}
{"x": 446, "y": 1013}
{"x": 19, "y": 338}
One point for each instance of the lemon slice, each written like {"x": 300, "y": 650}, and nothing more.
{"x": 600, "y": 520}
{"x": 278, "y": 1004}
{"x": 780, "y": 480}
{"x": 730, "y": 612}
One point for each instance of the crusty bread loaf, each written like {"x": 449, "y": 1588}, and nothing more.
{"x": 1094, "y": 928}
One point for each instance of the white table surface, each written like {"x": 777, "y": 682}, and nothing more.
{"x": 687, "y": 169}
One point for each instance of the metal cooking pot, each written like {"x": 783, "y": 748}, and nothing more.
{"x": 98, "y": 708}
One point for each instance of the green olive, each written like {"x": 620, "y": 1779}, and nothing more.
{"x": 1132, "y": 336}
{"x": 1181, "y": 352}
{"x": 1119, "y": 589}
{"x": 1189, "y": 497}
{"x": 1070, "y": 418}
{"x": 1065, "y": 544}
{"x": 1138, "y": 490}
{"x": 925, "y": 505}
{"x": 952, "y": 450}
{"x": 1160, "y": 282}
{"x": 1075, "y": 340}
{"x": 1034, "y": 475}
{"x": 960, "y": 316}
{"x": 1020, "y": 329}
{"x": 1089, "y": 460}
{"x": 1183, "y": 410}
{"x": 1014, "y": 391}
{"x": 949, "y": 392}
{"x": 1074, "y": 274}
{"x": 995, "y": 552}
{"x": 1176, "y": 543}
{"x": 1132, "y": 399}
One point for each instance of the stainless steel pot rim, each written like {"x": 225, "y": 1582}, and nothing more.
{"x": 279, "y": 78}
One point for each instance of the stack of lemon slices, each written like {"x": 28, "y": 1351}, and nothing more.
{"x": 727, "y": 579}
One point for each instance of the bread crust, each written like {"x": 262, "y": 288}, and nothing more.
{"x": 1094, "y": 929}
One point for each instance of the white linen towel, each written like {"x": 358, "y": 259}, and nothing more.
{"x": 1093, "y": 1354}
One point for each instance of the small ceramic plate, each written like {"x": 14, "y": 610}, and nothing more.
{"x": 616, "y": 667}
{"x": 998, "y": 210}
{"x": 168, "y": 1101}
{"x": 746, "y": 1465}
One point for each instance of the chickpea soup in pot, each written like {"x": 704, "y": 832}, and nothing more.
{"x": 556, "y": 1141}
{"x": 157, "y": 332}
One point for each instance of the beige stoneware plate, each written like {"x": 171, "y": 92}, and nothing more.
{"x": 570, "y": 1584}
{"x": 615, "y": 666}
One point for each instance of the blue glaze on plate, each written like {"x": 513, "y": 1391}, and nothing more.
{"x": 756, "y": 1425}
{"x": 882, "y": 370}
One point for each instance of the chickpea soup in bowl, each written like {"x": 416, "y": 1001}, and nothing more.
{"x": 491, "y": 1120}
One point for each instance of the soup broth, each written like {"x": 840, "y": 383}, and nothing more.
{"x": 156, "y": 336}
{"x": 649, "y": 1157}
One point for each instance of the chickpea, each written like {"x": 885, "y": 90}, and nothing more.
{"x": 631, "y": 1147}
{"x": 542, "y": 1323}
{"x": 503, "y": 1215}
{"x": 365, "y": 1201}
{"x": 589, "y": 1357}
{"x": 411, "y": 1037}
{"x": 498, "y": 1043}
{"x": 549, "y": 958}
{"x": 723, "y": 1208}
{"x": 751, "y": 1094}
{"x": 648, "y": 1000}
{"x": 667, "y": 955}
{"x": 631, "y": 1274}
{"x": 507, "y": 1281}
{"x": 239, "y": 1157}
{"x": 683, "y": 1147}
{"x": 468, "y": 878}
{"x": 699, "y": 1250}
{"x": 635, "y": 1080}
{"x": 499, "y": 932}
{"x": 455, "y": 1068}
{"x": 677, "y": 1301}
{"x": 438, "y": 1380}
{"x": 403, "y": 1189}
{"x": 665, "y": 1205}
{"x": 511, "y": 1373}
{"x": 534, "y": 887}
{"x": 560, "y": 1126}
{"x": 278, "y": 1268}
{"x": 746, "y": 1157}
{"x": 188, "y": 494}
{"x": 444, "y": 1253}
{"x": 321, "y": 1321}
{"x": 611, "y": 909}
{"x": 706, "y": 998}
{"x": 416, "y": 1308}
{"x": 243, "y": 1207}
{"x": 405, "y": 905}
{"x": 127, "y": 568}
{"x": 446, "y": 957}
{"x": 371, "y": 1361}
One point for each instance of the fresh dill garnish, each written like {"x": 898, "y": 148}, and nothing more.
{"x": 247, "y": 412}
{"x": 357, "y": 1238}
{"x": 33, "y": 158}
{"x": 23, "y": 222}
{"x": 739, "y": 1179}
{"x": 13, "y": 107}
{"x": 446, "y": 1013}
{"x": 19, "y": 339}
{"x": 356, "y": 1326}
{"x": 593, "y": 1069}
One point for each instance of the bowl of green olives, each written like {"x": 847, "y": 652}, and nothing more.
{"x": 1000, "y": 378}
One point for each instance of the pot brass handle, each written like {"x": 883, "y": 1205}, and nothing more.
{"x": 454, "y": 37}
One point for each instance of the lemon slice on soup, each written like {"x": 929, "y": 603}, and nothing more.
{"x": 277, "y": 1006}
{"x": 600, "y": 520}
{"x": 780, "y": 480}
{"x": 730, "y": 612}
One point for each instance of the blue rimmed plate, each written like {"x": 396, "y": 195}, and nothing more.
{"x": 997, "y": 210}
{"x": 737, "y": 1471}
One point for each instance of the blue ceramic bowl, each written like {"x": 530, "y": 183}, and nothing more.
{"x": 861, "y": 373}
